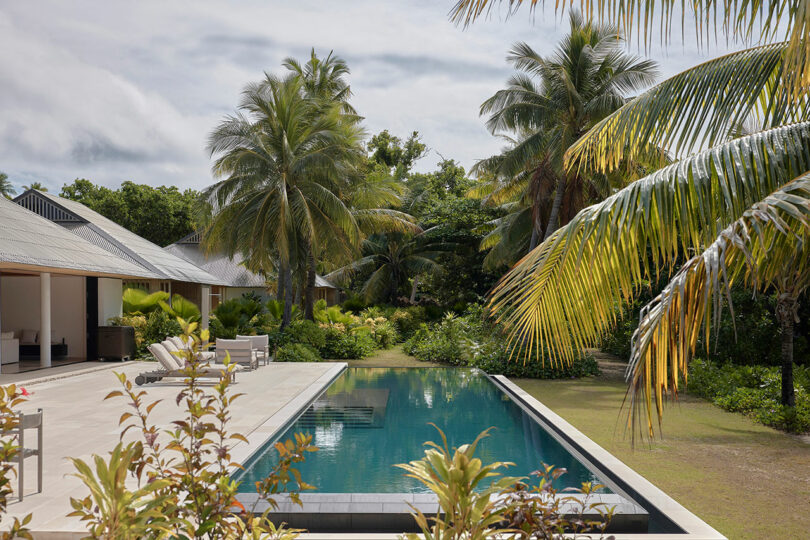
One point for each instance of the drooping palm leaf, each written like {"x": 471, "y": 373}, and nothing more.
{"x": 746, "y": 21}
{"x": 566, "y": 293}
{"x": 763, "y": 246}
{"x": 699, "y": 106}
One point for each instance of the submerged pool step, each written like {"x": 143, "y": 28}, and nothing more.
{"x": 348, "y": 416}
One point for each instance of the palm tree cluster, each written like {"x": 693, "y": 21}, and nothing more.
{"x": 734, "y": 205}
{"x": 548, "y": 104}
{"x": 291, "y": 191}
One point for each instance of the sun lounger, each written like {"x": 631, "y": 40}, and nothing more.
{"x": 173, "y": 367}
{"x": 261, "y": 344}
{"x": 208, "y": 356}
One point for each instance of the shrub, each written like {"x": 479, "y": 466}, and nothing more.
{"x": 407, "y": 320}
{"x": 343, "y": 345}
{"x": 754, "y": 391}
{"x": 297, "y": 352}
{"x": 500, "y": 364}
{"x": 354, "y": 303}
{"x": 306, "y": 332}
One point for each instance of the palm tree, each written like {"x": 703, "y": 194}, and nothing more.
{"x": 391, "y": 259}
{"x": 768, "y": 19}
{"x": 280, "y": 158}
{"x": 35, "y": 185}
{"x": 547, "y": 106}
{"x": 564, "y": 295}
{"x": 6, "y": 187}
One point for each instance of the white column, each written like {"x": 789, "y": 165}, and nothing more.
{"x": 205, "y": 306}
{"x": 45, "y": 319}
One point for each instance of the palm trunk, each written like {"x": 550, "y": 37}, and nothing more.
{"x": 288, "y": 297}
{"x": 787, "y": 306}
{"x": 309, "y": 293}
{"x": 281, "y": 283}
{"x": 413, "y": 289}
{"x": 553, "y": 219}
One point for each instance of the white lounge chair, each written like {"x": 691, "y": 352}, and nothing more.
{"x": 179, "y": 345}
{"x": 261, "y": 344}
{"x": 173, "y": 367}
{"x": 240, "y": 350}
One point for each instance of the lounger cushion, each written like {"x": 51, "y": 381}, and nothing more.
{"x": 166, "y": 359}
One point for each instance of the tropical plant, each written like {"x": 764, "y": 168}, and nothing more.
{"x": 182, "y": 485}
{"x": 548, "y": 104}
{"x": 280, "y": 159}
{"x": 139, "y": 302}
{"x": 767, "y": 20}
{"x": 6, "y": 187}
{"x": 181, "y": 308}
{"x": 11, "y": 397}
{"x": 390, "y": 260}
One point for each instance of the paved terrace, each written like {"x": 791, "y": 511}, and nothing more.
{"x": 79, "y": 423}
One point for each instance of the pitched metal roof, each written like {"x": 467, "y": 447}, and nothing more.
{"x": 114, "y": 238}
{"x": 231, "y": 271}
{"x": 29, "y": 241}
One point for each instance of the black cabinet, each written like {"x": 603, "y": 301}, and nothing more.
{"x": 116, "y": 342}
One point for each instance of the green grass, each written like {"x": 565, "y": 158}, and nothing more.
{"x": 744, "y": 479}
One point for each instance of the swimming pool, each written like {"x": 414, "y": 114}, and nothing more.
{"x": 370, "y": 419}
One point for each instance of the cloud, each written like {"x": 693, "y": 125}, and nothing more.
{"x": 129, "y": 91}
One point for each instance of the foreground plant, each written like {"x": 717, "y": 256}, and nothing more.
{"x": 182, "y": 475}
{"x": 10, "y": 397}
{"x": 476, "y": 502}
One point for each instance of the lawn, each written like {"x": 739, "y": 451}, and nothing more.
{"x": 746, "y": 480}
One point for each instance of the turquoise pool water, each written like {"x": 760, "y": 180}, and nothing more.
{"x": 372, "y": 418}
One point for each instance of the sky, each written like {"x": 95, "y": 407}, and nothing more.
{"x": 121, "y": 90}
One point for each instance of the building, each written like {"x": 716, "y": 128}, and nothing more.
{"x": 172, "y": 274}
{"x": 55, "y": 288}
{"x": 237, "y": 279}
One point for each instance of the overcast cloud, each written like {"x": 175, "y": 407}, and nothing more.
{"x": 114, "y": 91}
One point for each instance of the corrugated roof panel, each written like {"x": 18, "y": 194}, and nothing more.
{"x": 141, "y": 249}
{"x": 29, "y": 239}
{"x": 229, "y": 271}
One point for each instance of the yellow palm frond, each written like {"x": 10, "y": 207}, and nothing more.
{"x": 566, "y": 293}
{"x": 767, "y": 244}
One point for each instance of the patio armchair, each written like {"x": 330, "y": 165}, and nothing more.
{"x": 240, "y": 350}
{"x": 28, "y": 421}
{"x": 261, "y": 344}
{"x": 173, "y": 367}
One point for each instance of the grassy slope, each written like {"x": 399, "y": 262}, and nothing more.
{"x": 746, "y": 480}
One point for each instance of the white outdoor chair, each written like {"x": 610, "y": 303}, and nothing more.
{"x": 179, "y": 345}
{"x": 240, "y": 350}
{"x": 261, "y": 344}
{"x": 28, "y": 421}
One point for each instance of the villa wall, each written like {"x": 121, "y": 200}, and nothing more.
{"x": 236, "y": 292}
{"x": 20, "y": 308}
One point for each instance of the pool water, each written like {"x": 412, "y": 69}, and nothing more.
{"x": 370, "y": 419}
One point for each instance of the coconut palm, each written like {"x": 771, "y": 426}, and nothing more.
{"x": 765, "y": 20}
{"x": 391, "y": 259}
{"x": 548, "y": 105}
{"x": 35, "y": 185}
{"x": 6, "y": 187}
{"x": 281, "y": 158}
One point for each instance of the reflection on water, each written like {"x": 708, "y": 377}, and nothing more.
{"x": 372, "y": 418}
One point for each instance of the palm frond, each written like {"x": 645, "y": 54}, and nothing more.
{"x": 769, "y": 243}
{"x": 566, "y": 293}
{"x": 693, "y": 108}
{"x": 748, "y": 21}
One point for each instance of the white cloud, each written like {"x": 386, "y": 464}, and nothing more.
{"x": 114, "y": 91}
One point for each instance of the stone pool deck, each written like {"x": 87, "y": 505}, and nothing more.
{"x": 78, "y": 423}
